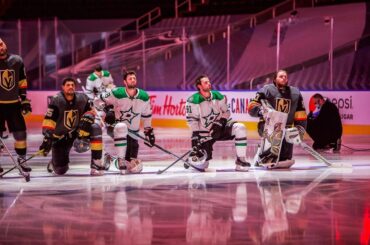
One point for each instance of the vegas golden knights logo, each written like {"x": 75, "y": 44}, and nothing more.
{"x": 283, "y": 105}
{"x": 70, "y": 118}
{"x": 7, "y": 79}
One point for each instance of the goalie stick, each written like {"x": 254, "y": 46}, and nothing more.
{"x": 319, "y": 157}
{"x": 293, "y": 136}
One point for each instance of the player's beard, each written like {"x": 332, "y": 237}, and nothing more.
{"x": 207, "y": 89}
{"x": 131, "y": 86}
{"x": 3, "y": 52}
{"x": 70, "y": 92}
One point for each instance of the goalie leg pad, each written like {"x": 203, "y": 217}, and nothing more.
{"x": 282, "y": 164}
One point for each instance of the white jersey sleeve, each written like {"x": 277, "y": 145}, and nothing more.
{"x": 193, "y": 115}
{"x": 91, "y": 86}
{"x": 146, "y": 115}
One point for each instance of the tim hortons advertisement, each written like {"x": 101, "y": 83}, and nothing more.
{"x": 353, "y": 105}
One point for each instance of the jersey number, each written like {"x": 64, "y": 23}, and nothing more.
{"x": 188, "y": 109}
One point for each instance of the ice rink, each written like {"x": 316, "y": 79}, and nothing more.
{"x": 309, "y": 203}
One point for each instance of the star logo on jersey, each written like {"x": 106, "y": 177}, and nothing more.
{"x": 70, "y": 118}
{"x": 210, "y": 118}
{"x": 128, "y": 115}
{"x": 7, "y": 79}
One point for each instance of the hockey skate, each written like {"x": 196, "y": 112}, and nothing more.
{"x": 109, "y": 160}
{"x": 23, "y": 164}
{"x": 97, "y": 168}
{"x": 16, "y": 162}
{"x": 121, "y": 165}
{"x": 134, "y": 166}
{"x": 241, "y": 164}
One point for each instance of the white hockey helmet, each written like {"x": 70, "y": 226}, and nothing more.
{"x": 199, "y": 159}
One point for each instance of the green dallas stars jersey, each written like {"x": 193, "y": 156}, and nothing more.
{"x": 128, "y": 109}
{"x": 96, "y": 85}
{"x": 202, "y": 112}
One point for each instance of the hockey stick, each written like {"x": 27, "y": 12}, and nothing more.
{"x": 26, "y": 175}
{"x": 132, "y": 133}
{"x": 319, "y": 157}
{"x": 178, "y": 159}
{"x": 25, "y": 160}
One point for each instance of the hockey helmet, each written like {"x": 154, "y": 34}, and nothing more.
{"x": 198, "y": 158}
{"x": 81, "y": 145}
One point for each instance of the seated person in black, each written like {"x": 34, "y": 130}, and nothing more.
{"x": 324, "y": 124}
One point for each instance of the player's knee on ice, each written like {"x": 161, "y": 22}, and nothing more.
{"x": 60, "y": 170}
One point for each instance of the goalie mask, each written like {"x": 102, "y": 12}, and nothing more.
{"x": 81, "y": 145}
{"x": 198, "y": 158}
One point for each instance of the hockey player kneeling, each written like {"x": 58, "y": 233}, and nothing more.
{"x": 124, "y": 108}
{"x": 69, "y": 122}
{"x": 279, "y": 107}
{"x": 208, "y": 116}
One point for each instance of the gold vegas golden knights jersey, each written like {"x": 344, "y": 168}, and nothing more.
{"x": 13, "y": 82}
{"x": 288, "y": 100}
{"x": 63, "y": 116}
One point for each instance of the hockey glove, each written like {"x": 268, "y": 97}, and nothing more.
{"x": 149, "y": 136}
{"x": 26, "y": 107}
{"x": 46, "y": 145}
{"x": 84, "y": 127}
{"x": 110, "y": 117}
{"x": 217, "y": 128}
{"x": 197, "y": 152}
{"x": 197, "y": 139}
